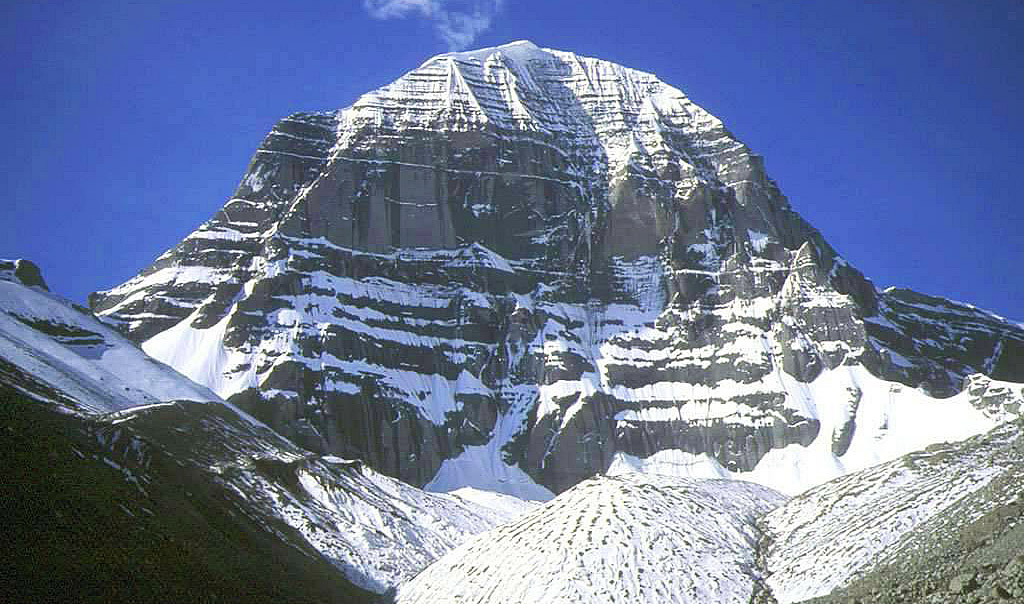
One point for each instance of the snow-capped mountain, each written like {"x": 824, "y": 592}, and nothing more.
{"x": 516, "y": 268}
{"x": 81, "y": 400}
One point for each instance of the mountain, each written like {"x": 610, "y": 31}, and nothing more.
{"x": 941, "y": 525}
{"x": 125, "y": 480}
{"x": 516, "y": 268}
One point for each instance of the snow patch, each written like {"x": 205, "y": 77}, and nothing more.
{"x": 480, "y": 467}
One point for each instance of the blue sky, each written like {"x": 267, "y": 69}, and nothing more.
{"x": 894, "y": 127}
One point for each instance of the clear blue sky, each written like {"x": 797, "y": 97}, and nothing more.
{"x": 894, "y": 127}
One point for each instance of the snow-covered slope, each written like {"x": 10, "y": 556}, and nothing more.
{"x": 378, "y": 531}
{"x": 832, "y": 534}
{"x": 629, "y": 539}
{"x": 374, "y": 529}
{"x": 74, "y": 353}
{"x": 973, "y": 550}
{"x": 652, "y": 538}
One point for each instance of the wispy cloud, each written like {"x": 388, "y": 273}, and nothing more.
{"x": 458, "y": 22}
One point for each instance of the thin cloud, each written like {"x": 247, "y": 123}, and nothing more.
{"x": 458, "y": 22}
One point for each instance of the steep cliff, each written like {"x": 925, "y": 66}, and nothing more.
{"x": 520, "y": 265}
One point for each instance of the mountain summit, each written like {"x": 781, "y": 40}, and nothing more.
{"x": 515, "y": 268}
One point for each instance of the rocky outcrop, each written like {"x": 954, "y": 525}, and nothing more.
{"x": 22, "y": 271}
{"x": 552, "y": 255}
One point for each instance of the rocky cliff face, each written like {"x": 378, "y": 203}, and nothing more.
{"x": 523, "y": 258}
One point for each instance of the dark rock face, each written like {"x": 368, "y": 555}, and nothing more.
{"x": 553, "y": 254}
{"x": 22, "y": 271}
{"x": 929, "y": 341}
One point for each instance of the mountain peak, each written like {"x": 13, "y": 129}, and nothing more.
{"x": 613, "y": 115}
{"x": 518, "y": 50}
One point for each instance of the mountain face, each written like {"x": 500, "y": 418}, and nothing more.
{"x": 516, "y": 268}
{"x": 125, "y": 480}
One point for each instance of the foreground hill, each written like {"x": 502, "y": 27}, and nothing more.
{"x": 939, "y": 525}
{"x": 125, "y": 480}
{"x": 903, "y": 526}
{"x": 636, "y": 538}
